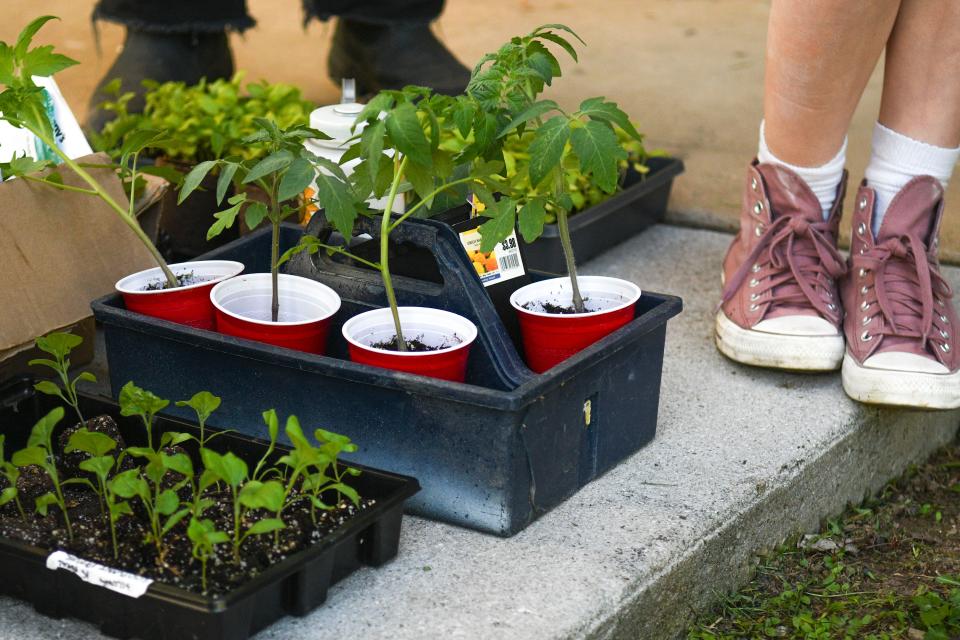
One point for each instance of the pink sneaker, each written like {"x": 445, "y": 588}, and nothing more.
{"x": 900, "y": 321}
{"x": 780, "y": 306}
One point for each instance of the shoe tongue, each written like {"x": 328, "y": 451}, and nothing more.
{"x": 788, "y": 193}
{"x": 912, "y": 210}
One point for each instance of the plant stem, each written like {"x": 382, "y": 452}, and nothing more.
{"x": 106, "y": 197}
{"x": 57, "y": 185}
{"x": 398, "y": 167}
{"x": 275, "y": 272}
{"x": 564, "y": 230}
{"x": 396, "y": 223}
{"x": 23, "y": 514}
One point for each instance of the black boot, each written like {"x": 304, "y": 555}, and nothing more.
{"x": 391, "y": 56}
{"x": 184, "y": 57}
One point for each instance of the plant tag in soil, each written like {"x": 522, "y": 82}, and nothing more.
{"x": 502, "y": 264}
{"x": 114, "y": 579}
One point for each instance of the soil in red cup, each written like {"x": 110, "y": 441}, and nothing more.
{"x": 552, "y": 332}
{"x": 442, "y": 340}
{"x": 189, "y": 304}
{"x": 243, "y": 310}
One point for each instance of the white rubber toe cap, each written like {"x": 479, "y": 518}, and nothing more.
{"x": 901, "y": 361}
{"x": 797, "y": 326}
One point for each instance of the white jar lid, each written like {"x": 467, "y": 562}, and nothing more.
{"x": 336, "y": 120}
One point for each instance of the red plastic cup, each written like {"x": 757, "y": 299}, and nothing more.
{"x": 431, "y": 326}
{"x": 242, "y": 308}
{"x": 551, "y": 338}
{"x": 188, "y": 305}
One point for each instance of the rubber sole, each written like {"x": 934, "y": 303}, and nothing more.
{"x": 900, "y": 388}
{"x": 778, "y": 351}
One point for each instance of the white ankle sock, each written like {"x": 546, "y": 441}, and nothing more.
{"x": 822, "y": 180}
{"x": 897, "y": 159}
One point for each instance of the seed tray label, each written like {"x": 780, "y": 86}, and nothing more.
{"x": 114, "y": 579}
{"x": 499, "y": 265}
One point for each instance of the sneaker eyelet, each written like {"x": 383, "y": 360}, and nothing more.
{"x": 754, "y": 297}
{"x": 864, "y": 289}
{"x": 944, "y": 347}
{"x": 754, "y": 307}
{"x": 758, "y": 208}
{"x": 944, "y": 334}
{"x": 864, "y": 306}
{"x": 753, "y": 183}
{"x": 944, "y": 319}
{"x": 829, "y": 295}
{"x": 755, "y": 268}
{"x": 832, "y": 307}
{"x": 863, "y": 203}
{"x": 939, "y": 302}
{"x": 867, "y": 320}
{"x": 865, "y": 337}
{"x": 861, "y": 229}
{"x": 863, "y": 250}
{"x": 862, "y": 273}
{"x": 754, "y": 283}
{"x": 758, "y": 231}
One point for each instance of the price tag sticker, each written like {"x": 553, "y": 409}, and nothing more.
{"x": 114, "y": 579}
{"x": 499, "y": 265}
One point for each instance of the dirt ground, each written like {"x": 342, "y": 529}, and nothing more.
{"x": 689, "y": 71}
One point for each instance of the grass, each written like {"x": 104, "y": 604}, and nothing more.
{"x": 889, "y": 568}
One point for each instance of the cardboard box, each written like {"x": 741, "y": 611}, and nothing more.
{"x": 58, "y": 251}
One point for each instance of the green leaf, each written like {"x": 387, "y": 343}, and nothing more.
{"x": 59, "y": 344}
{"x": 194, "y": 178}
{"x": 226, "y": 176}
{"x": 129, "y": 484}
{"x": 273, "y": 424}
{"x": 44, "y": 502}
{"x": 531, "y": 219}
{"x": 536, "y": 110}
{"x": 547, "y": 147}
{"x": 100, "y": 466}
{"x": 500, "y": 226}
{"x": 406, "y": 133}
{"x": 85, "y": 376}
{"x": 178, "y": 462}
{"x": 297, "y": 178}
{"x": 203, "y": 403}
{"x": 346, "y": 490}
{"x": 48, "y": 388}
{"x": 422, "y": 180}
{"x": 562, "y": 42}
{"x": 377, "y": 105}
{"x": 557, "y": 27}
{"x": 338, "y": 203}
{"x": 276, "y": 161}
{"x": 43, "y": 429}
{"x": 7, "y": 66}
{"x": 7, "y": 495}
{"x": 267, "y": 525}
{"x": 26, "y": 35}
{"x": 91, "y": 442}
{"x": 262, "y": 495}
{"x": 173, "y": 520}
{"x": 224, "y": 220}
{"x": 226, "y": 467}
{"x": 599, "y": 151}
{"x": 167, "y": 502}
{"x": 254, "y": 214}
{"x": 173, "y": 438}
{"x": 139, "y": 140}
{"x": 30, "y": 455}
{"x": 599, "y": 109}
{"x": 463, "y": 116}
{"x": 135, "y": 401}
{"x": 372, "y": 147}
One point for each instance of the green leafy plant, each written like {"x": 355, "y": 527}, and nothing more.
{"x": 205, "y": 537}
{"x": 135, "y": 401}
{"x": 11, "y": 474}
{"x": 39, "y": 451}
{"x": 505, "y": 87}
{"x": 245, "y": 495}
{"x": 283, "y": 174}
{"x": 22, "y": 104}
{"x": 206, "y": 121}
{"x": 59, "y": 345}
{"x": 203, "y": 404}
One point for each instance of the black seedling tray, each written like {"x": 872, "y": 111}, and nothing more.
{"x": 641, "y": 203}
{"x": 293, "y": 587}
{"x": 492, "y": 454}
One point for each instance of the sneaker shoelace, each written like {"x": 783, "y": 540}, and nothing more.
{"x": 804, "y": 261}
{"x": 906, "y": 282}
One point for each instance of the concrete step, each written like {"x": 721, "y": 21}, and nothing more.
{"x": 742, "y": 459}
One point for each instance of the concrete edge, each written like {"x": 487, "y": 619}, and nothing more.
{"x": 875, "y": 450}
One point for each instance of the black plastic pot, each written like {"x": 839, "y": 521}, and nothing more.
{"x": 492, "y": 454}
{"x": 293, "y": 587}
{"x": 641, "y": 203}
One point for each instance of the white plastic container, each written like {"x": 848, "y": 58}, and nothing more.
{"x": 336, "y": 120}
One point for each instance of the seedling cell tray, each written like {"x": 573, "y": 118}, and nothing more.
{"x": 492, "y": 454}
{"x": 293, "y": 587}
{"x": 642, "y": 203}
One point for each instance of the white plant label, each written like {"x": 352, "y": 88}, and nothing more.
{"x": 503, "y": 263}
{"x": 114, "y": 579}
